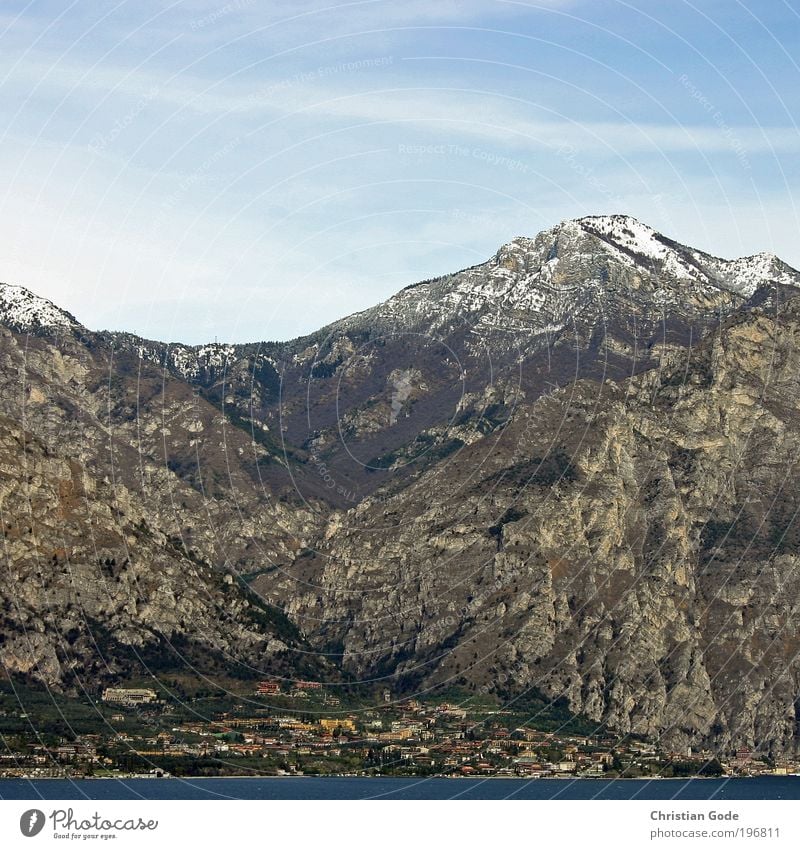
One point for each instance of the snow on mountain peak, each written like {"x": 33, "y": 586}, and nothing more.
{"x": 747, "y": 273}
{"x": 627, "y": 237}
{"x": 628, "y": 233}
{"x": 612, "y": 222}
{"x": 21, "y": 310}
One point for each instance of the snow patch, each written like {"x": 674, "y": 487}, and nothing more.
{"x": 21, "y": 310}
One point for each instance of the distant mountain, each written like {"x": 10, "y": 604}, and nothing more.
{"x": 93, "y": 588}
{"x": 121, "y": 491}
{"x": 376, "y": 397}
{"x": 570, "y": 467}
{"x": 600, "y": 297}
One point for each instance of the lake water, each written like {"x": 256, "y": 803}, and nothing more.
{"x": 399, "y": 788}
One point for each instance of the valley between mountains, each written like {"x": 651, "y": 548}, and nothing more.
{"x": 571, "y": 470}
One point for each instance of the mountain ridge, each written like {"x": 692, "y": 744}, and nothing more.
{"x": 631, "y": 547}
{"x": 575, "y": 300}
{"x": 562, "y": 468}
{"x": 24, "y": 309}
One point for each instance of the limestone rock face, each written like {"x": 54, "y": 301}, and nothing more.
{"x": 598, "y": 297}
{"x": 632, "y": 547}
{"x": 383, "y": 393}
{"x": 125, "y": 498}
{"x": 127, "y": 421}
{"x": 91, "y": 590}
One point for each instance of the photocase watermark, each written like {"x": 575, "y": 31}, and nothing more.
{"x": 65, "y": 824}
{"x": 467, "y": 216}
{"x": 500, "y": 583}
{"x": 266, "y": 92}
{"x": 100, "y": 141}
{"x": 569, "y": 154}
{"x": 325, "y": 474}
{"x": 32, "y": 822}
{"x": 331, "y": 483}
{"x": 222, "y": 12}
{"x": 478, "y": 153}
{"x": 717, "y": 117}
{"x": 526, "y": 438}
{"x": 507, "y": 162}
{"x": 347, "y": 493}
{"x": 218, "y": 155}
{"x": 170, "y": 202}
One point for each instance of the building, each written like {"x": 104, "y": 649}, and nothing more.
{"x": 268, "y": 688}
{"x": 334, "y": 723}
{"x": 402, "y": 734}
{"x": 129, "y": 696}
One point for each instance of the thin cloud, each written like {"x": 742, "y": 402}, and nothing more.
{"x": 470, "y": 114}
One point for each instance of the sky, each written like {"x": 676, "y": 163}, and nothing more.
{"x": 244, "y": 170}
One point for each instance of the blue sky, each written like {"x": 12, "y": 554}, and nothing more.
{"x": 252, "y": 170}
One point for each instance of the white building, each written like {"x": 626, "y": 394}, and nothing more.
{"x": 128, "y": 696}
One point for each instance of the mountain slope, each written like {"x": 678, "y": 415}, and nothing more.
{"x": 600, "y": 297}
{"x": 92, "y": 590}
{"x": 25, "y": 312}
{"x": 380, "y": 395}
{"x": 632, "y": 547}
{"x": 571, "y": 467}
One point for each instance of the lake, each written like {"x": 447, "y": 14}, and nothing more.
{"x": 399, "y": 788}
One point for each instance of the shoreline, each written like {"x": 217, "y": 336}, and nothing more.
{"x": 396, "y": 777}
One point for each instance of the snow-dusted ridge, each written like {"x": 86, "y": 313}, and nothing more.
{"x": 742, "y": 275}
{"x": 631, "y": 235}
{"x": 531, "y": 282}
{"x": 23, "y": 311}
{"x": 546, "y": 280}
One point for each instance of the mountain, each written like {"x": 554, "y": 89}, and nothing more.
{"x": 600, "y": 297}
{"x": 568, "y": 468}
{"x": 633, "y": 547}
{"x": 124, "y": 500}
{"x": 378, "y": 396}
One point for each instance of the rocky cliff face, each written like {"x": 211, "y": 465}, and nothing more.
{"x": 130, "y": 506}
{"x": 130, "y": 422}
{"x": 91, "y": 589}
{"x": 599, "y": 297}
{"x": 630, "y": 546}
{"x": 572, "y": 467}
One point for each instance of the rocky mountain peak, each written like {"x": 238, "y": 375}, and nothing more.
{"x": 627, "y": 233}
{"x": 594, "y": 244}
